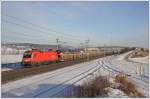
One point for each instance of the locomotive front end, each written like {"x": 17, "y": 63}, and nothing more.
{"x": 26, "y": 58}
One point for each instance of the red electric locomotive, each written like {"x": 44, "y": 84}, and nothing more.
{"x": 36, "y": 56}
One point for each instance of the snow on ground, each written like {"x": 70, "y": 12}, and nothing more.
{"x": 10, "y": 62}
{"x": 49, "y": 82}
{"x": 140, "y": 85}
{"x": 116, "y": 93}
{"x": 54, "y": 83}
{"x": 5, "y": 59}
{"x": 122, "y": 56}
{"x": 6, "y": 69}
{"x": 139, "y": 72}
{"x": 141, "y": 59}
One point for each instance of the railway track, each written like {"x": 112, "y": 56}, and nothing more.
{"x": 103, "y": 66}
{"x": 60, "y": 86}
{"x": 90, "y": 69}
{"x": 12, "y": 75}
{"x": 49, "y": 75}
{"x": 21, "y": 73}
{"x": 52, "y": 93}
{"x": 120, "y": 72}
{"x": 81, "y": 78}
{"x": 135, "y": 80}
{"x": 100, "y": 66}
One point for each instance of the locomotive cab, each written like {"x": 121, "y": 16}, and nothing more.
{"x": 26, "y": 58}
{"x": 37, "y": 57}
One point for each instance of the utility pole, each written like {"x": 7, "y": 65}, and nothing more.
{"x": 111, "y": 42}
{"x": 81, "y": 44}
{"x": 86, "y": 44}
{"x": 57, "y": 41}
{"x": 110, "y": 38}
{"x": 104, "y": 50}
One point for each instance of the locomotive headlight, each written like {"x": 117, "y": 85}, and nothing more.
{"x": 53, "y": 56}
{"x": 27, "y": 60}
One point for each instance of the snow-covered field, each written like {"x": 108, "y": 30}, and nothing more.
{"x": 10, "y": 62}
{"x": 139, "y": 72}
{"x": 144, "y": 60}
{"x": 55, "y": 83}
{"x": 11, "y": 58}
{"x": 48, "y": 83}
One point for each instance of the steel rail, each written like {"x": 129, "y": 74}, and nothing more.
{"x": 49, "y": 77}
{"x": 63, "y": 82}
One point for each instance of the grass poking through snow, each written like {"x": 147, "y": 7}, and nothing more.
{"x": 93, "y": 88}
{"x": 127, "y": 87}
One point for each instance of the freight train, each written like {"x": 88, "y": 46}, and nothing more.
{"x": 37, "y": 57}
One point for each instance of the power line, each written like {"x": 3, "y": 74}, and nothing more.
{"x": 24, "y": 36}
{"x": 27, "y": 38}
{"x": 40, "y": 26}
{"x": 26, "y": 27}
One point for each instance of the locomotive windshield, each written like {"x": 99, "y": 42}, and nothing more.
{"x": 27, "y": 55}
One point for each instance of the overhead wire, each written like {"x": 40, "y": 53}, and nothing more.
{"x": 27, "y": 37}
{"x": 27, "y": 27}
{"x": 45, "y": 28}
{"x": 54, "y": 32}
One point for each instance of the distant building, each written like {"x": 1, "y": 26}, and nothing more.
{"x": 5, "y": 50}
{"x": 92, "y": 49}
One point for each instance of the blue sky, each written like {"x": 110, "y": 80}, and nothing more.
{"x": 109, "y": 23}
